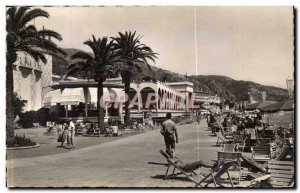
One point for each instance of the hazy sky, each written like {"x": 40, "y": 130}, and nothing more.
{"x": 244, "y": 43}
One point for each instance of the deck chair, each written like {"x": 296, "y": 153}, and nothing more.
{"x": 216, "y": 172}
{"x": 261, "y": 152}
{"x": 222, "y": 138}
{"x": 235, "y": 157}
{"x": 228, "y": 147}
{"x": 280, "y": 174}
{"x": 240, "y": 142}
{"x": 96, "y": 132}
{"x": 115, "y": 131}
{"x": 108, "y": 132}
{"x": 176, "y": 163}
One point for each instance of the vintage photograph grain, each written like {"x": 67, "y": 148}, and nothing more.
{"x": 150, "y": 97}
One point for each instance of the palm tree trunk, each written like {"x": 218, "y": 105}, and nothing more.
{"x": 127, "y": 91}
{"x": 10, "y": 130}
{"x": 100, "y": 105}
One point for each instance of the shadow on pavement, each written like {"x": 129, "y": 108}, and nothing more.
{"x": 162, "y": 177}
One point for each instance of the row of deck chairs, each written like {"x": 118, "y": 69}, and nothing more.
{"x": 261, "y": 149}
{"x": 278, "y": 174}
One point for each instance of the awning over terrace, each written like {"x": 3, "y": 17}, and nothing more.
{"x": 72, "y": 96}
{"x": 52, "y": 98}
{"x": 109, "y": 95}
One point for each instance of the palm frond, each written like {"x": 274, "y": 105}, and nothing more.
{"x": 81, "y": 55}
{"x": 32, "y": 14}
{"x": 49, "y": 33}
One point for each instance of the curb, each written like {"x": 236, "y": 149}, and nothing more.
{"x": 25, "y": 147}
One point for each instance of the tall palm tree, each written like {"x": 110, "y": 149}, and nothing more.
{"x": 100, "y": 64}
{"x": 24, "y": 37}
{"x": 134, "y": 55}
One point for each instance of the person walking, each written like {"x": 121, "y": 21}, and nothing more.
{"x": 64, "y": 134}
{"x": 71, "y": 134}
{"x": 168, "y": 131}
{"x": 198, "y": 118}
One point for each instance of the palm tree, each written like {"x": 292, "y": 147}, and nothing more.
{"x": 133, "y": 55}
{"x": 100, "y": 64}
{"x": 23, "y": 37}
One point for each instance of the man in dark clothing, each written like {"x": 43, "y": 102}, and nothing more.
{"x": 168, "y": 130}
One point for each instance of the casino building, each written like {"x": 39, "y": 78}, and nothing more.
{"x": 74, "y": 98}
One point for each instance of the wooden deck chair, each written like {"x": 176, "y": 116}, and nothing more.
{"x": 216, "y": 172}
{"x": 108, "y": 132}
{"x": 176, "y": 163}
{"x": 235, "y": 157}
{"x": 228, "y": 147}
{"x": 261, "y": 152}
{"x": 240, "y": 142}
{"x": 96, "y": 132}
{"x": 280, "y": 175}
{"x": 115, "y": 131}
{"x": 222, "y": 138}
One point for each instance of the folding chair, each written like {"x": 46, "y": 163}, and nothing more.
{"x": 176, "y": 163}
{"x": 222, "y": 138}
{"x": 115, "y": 131}
{"x": 219, "y": 169}
{"x": 280, "y": 175}
{"x": 108, "y": 132}
{"x": 261, "y": 152}
{"x": 96, "y": 132}
{"x": 241, "y": 143}
{"x": 228, "y": 147}
{"x": 235, "y": 157}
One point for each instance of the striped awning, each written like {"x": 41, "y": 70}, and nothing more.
{"x": 93, "y": 95}
{"x": 109, "y": 95}
{"x": 117, "y": 95}
{"x": 52, "y": 98}
{"x": 72, "y": 96}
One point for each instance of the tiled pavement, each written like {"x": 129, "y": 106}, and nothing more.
{"x": 118, "y": 163}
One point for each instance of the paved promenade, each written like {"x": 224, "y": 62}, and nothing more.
{"x": 118, "y": 163}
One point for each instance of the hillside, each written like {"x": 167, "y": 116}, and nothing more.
{"x": 227, "y": 88}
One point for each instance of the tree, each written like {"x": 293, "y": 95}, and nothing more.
{"x": 133, "y": 56}
{"x": 23, "y": 37}
{"x": 18, "y": 104}
{"x": 100, "y": 63}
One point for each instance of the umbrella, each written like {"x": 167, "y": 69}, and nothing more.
{"x": 280, "y": 106}
{"x": 259, "y": 105}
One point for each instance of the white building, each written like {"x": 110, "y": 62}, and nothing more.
{"x": 30, "y": 77}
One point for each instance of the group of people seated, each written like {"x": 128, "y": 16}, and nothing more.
{"x": 253, "y": 127}
{"x": 89, "y": 128}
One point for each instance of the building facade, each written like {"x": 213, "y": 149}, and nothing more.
{"x": 30, "y": 77}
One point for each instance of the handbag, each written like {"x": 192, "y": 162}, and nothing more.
{"x": 60, "y": 138}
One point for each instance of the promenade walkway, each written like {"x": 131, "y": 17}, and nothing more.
{"x": 118, "y": 163}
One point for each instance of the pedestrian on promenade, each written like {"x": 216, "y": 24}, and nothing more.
{"x": 64, "y": 134}
{"x": 198, "y": 118}
{"x": 168, "y": 131}
{"x": 71, "y": 134}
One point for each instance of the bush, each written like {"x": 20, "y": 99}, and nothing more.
{"x": 43, "y": 115}
{"x": 28, "y": 118}
{"x": 19, "y": 141}
{"x": 40, "y": 116}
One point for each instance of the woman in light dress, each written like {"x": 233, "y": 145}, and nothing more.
{"x": 64, "y": 134}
